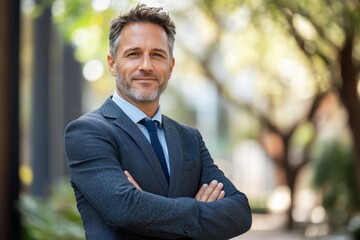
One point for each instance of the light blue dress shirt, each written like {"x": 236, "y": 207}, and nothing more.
{"x": 137, "y": 115}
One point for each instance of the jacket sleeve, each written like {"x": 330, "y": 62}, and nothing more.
{"x": 227, "y": 217}
{"x": 96, "y": 172}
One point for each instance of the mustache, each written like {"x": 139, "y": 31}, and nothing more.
{"x": 144, "y": 74}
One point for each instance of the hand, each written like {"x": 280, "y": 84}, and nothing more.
{"x": 131, "y": 180}
{"x": 211, "y": 192}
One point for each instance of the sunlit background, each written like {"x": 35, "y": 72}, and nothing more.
{"x": 273, "y": 86}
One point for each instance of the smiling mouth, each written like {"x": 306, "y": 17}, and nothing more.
{"x": 145, "y": 79}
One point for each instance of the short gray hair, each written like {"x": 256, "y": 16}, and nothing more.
{"x": 141, "y": 13}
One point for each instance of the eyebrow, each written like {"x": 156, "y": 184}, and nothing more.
{"x": 160, "y": 50}
{"x": 137, "y": 49}
{"x": 132, "y": 49}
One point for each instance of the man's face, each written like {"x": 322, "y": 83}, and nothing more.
{"x": 143, "y": 65}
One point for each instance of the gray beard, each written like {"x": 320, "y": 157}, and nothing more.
{"x": 124, "y": 87}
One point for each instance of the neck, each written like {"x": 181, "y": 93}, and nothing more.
{"x": 149, "y": 109}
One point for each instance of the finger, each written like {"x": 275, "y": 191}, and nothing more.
{"x": 215, "y": 194}
{"x": 201, "y": 192}
{"x": 128, "y": 175}
{"x": 208, "y": 191}
{"x": 221, "y": 195}
{"x": 131, "y": 180}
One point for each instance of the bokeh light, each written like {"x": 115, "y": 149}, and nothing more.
{"x": 93, "y": 70}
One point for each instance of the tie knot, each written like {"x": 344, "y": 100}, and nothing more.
{"x": 149, "y": 124}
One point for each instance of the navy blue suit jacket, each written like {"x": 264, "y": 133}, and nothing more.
{"x": 102, "y": 144}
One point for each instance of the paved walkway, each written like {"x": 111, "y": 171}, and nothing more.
{"x": 271, "y": 227}
{"x": 269, "y": 235}
{"x": 282, "y": 235}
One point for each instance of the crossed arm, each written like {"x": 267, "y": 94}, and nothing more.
{"x": 104, "y": 193}
{"x": 207, "y": 193}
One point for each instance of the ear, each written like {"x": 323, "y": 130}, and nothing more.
{"x": 111, "y": 64}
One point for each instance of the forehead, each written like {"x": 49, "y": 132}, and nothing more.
{"x": 143, "y": 35}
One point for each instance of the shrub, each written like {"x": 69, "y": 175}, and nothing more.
{"x": 53, "y": 218}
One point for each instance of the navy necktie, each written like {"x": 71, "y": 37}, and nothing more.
{"x": 155, "y": 143}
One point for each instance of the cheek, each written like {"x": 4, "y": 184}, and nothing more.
{"x": 129, "y": 66}
{"x": 168, "y": 75}
{"x": 124, "y": 68}
{"x": 164, "y": 71}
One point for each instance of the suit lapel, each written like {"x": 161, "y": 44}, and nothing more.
{"x": 175, "y": 157}
{"x": 111, "y": 110}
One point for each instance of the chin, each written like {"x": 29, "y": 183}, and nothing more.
{"x": 146, "y": 98}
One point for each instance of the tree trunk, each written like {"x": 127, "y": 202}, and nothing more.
{"x": 350, "y": 99}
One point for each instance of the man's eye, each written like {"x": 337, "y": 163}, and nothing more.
{"x": 158, "y": 55}
{"x": 133, "y": 54}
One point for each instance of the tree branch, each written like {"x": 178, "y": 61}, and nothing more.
{"x": 299, "y": 40}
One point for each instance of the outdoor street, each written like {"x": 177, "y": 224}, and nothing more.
{"x": 271, "y": 227}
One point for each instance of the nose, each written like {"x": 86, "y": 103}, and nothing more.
{"x": 146, "y": 64}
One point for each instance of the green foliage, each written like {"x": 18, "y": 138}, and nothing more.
{"x": 259, "y": 204}
{"x": 334, "y": 175}
{"x": 220, "y": 6}
{"x": 303, "y": 135}
{"x": 84, "y": 27}
{"x": 54, "y": 218}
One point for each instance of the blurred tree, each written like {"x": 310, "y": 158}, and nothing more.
{"x": 326, "y": 34}
{"x": 286, "y": 138}
{"x": 335, "y": 41}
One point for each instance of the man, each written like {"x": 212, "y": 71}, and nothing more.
{"x": 125, "y": 187}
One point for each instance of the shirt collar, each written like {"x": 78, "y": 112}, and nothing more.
{"x": 134, "y": 113}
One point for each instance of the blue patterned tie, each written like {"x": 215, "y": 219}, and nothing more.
{"x": 155, "y": 143}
